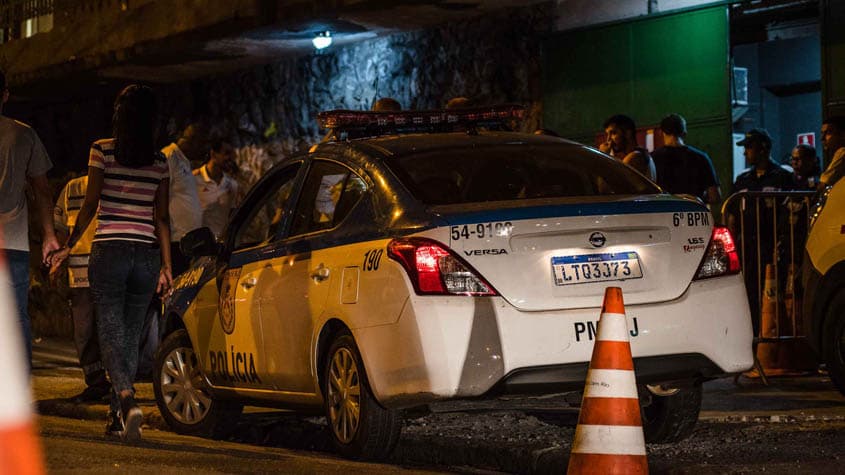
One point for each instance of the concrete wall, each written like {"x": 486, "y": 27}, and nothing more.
{"x": 493, "y": 59}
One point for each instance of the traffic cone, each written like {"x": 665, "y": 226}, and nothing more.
{"x": 20, "y": 452}
{"x": 609, "y": 438}
{"x": 767, "y": 351}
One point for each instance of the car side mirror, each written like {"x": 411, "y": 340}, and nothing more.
{"x": 199, "y": 242}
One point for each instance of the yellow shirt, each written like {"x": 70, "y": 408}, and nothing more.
{"x": 64, "y": 218}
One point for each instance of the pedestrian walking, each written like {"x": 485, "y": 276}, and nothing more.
{"x": 683, "y": 169}
{"x": 217, "y": 190}
{"x": 128, "y": 185}
{"x": 833, "y": 141}
{"x": 85, "y": 336}
{"x": 621, "y": 144}
{"x": 185, "y": 209}
{"x": 23, "y": 161}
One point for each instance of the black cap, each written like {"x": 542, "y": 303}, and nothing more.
{"x": 757, "y": 135}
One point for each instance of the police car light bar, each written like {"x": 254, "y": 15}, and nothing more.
{"x": 347, "y": 119}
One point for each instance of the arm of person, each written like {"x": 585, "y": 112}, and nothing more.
{"x": 43, "y": 202}
{"x": 60, "y": 224}
{"x": 162, "y": 229}
{"x": 638, "y": 162}
{"x": 85, "y": 216}
{"x": 60, "y": 216}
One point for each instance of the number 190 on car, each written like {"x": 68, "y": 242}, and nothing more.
{"x": 596, "y": 268}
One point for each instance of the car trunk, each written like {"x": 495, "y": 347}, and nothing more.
{"x": 563, "y": 255}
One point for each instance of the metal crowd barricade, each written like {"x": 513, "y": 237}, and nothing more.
{"x": 771, "y": 229}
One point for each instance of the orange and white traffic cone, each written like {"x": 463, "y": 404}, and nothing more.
{"x": 609, "y": 438}
{"x": 767, "y": 352}
{"x": 20, "y": 451}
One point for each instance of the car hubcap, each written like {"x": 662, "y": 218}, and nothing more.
{"x": 344, "y": 395}
{"x": 181, "y": 387}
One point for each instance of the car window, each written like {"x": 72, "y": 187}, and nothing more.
{"x": 329, "y": 194}
{"x": 515, "y": 172}
{"x": 267, "y": 214}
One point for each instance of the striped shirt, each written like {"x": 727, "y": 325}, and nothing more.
{"x": 128, "y": 197}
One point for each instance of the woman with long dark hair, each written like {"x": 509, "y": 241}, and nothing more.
{"x": 130, "y": 257}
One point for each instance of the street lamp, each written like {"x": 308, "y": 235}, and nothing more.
{"x": 322, "y": 40}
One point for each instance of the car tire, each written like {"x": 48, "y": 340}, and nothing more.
{"x": 834, "y": 340}
{"x": 670, "y": 418}
{"x": 177, "y": 380}
{"x": 374, "y": 433}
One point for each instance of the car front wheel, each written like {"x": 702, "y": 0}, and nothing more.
{"x": 182, "y": 394}
{"x": 670, "y": 414}
{"x": 360, "y": 428}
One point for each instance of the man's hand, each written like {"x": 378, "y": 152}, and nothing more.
{"x": 57, "y": 256}
{"x": 50, "y": 244}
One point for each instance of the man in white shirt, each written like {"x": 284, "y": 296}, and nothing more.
{"x": 185, "y": 210}
{"x": 218, "y": 191}
{"x": 23, "y": 161}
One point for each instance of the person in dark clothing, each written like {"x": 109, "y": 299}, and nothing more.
{"x": 682, "y": 169}
{"x": 805, "y": 167}
{"x": 745, "y": 214}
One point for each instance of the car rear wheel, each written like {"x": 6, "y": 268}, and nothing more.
{"x": 359, "y": 427}
{"x": 834, "y": 344}
{"x": 670, "y": 414}
{"x": 182, "y": 394}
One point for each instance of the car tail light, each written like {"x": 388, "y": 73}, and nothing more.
{"x": 721, "y": 257}
{"x": 434, "y": 270}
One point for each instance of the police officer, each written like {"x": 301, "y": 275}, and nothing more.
{"x": 762, "y": 175}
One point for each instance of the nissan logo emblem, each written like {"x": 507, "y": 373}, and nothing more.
{"x": 597, "y": 239}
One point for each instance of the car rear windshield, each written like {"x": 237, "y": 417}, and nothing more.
{"x": 515, "y": 172}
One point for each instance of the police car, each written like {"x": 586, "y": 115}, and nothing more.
{"x": 417, "y": 257}
{"x": 823, "y": 272}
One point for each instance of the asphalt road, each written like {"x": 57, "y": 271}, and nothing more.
{"x": 794, "y": 425}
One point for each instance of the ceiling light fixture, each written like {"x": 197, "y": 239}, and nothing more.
{"x": 322, "y": 40}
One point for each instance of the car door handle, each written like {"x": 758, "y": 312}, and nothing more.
{"x": 249, "y": 283}
{"x": 321, "y": 273}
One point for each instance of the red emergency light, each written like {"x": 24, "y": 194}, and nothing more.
{"x": 348, "y": 119}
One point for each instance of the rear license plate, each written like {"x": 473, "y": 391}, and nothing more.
{"x": 596, "y": 268}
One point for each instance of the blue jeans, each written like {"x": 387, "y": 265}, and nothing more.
{"x": 123, "y": 277}
{"x": 19, "y": 274}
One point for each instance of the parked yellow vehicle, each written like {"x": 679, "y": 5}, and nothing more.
{"x": 824, "y": 282}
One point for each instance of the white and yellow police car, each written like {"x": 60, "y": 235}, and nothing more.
{"x": 823, "y": 273}
{"x": 437, "y": 257}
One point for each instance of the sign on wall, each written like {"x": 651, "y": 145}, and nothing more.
{"x": 807, "y": 138}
